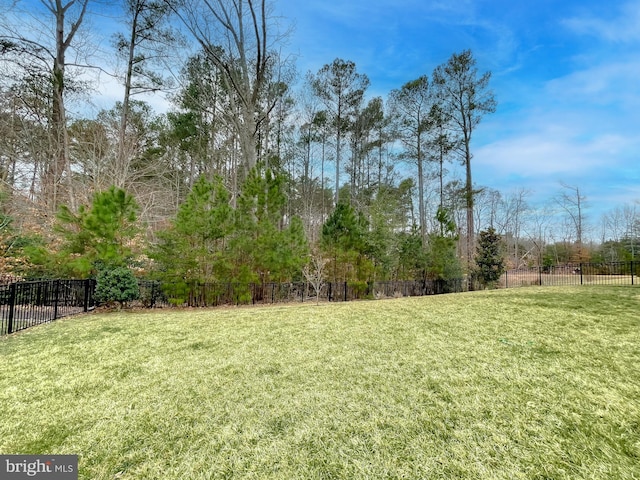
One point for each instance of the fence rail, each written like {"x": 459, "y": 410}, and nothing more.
{"x": 165, "y": 294}
{"x": 612, "y": 273}
{"x": 25, "y": 304}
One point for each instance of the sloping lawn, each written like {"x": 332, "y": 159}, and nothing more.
{"x": 537, "y": 383}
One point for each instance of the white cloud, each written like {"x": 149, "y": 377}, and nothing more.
{"x": 548, "y": 153}
{"x": 615, "y": 81}
{"x": 624, "y": 28}
{"x": 538, "y": 154}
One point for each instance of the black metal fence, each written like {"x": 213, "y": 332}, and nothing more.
{"x": 165, "y": 294}
{"x": 25, "y": 304}
{"x": 612, "y": 273}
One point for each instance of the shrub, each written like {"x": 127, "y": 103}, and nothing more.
{"x": 116, "y": 285}
{"x": 176, "y": 292}
{"x": 360, "y": 290}
{"x": 489, "y": 258}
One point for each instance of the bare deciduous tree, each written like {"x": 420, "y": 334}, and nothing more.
{"x": 314, "y": 272}
{"x": 145, "y": 46}
{"x": 35, "y": 42}
{"x": 239, "y": 38}
{"x": 572, "y": 203}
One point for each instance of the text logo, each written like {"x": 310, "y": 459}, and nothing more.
{"x": 40, "y": 467}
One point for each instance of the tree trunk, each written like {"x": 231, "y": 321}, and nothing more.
{"x": 469, "y": 205}
{"x": 122, "y": 160}
{"x": 421, "y": 207}
{"x": 338, "y": 145}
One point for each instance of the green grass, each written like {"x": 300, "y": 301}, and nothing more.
{"x": 536, "y": 383}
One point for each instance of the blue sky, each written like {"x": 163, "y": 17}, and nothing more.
{"x": 566, "y": 75}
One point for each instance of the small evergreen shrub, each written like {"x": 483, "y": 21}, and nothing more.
{"x": 489, "y": 258}
{"x": 176, "y": 292}
{"x": 116, "y": 285}
{"x": 360, "y": 289}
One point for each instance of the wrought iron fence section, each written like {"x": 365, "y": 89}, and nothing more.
{"x": 25, "y": 304}
{"x": 602, "y": 273}
{"x": 194, "y": 294}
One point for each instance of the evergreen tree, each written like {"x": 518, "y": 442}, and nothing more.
{"x": 411, "y": 106}
{"x": 146, "y": 44}
{"x": 412, "y": 260}
{"x": 489, "y": 257}
{"x": 344, "y": 239}
{"x": 341, "y": 89}
{"x": 194, "y": 247}
{"x": 95, "y": 238}
{"x": 443, "y": 262}
{"x": 388, "y": 214}
{"x": 263, "y": 248}
{"x": 465, "y": 98}
{"x": 116, "y": 285}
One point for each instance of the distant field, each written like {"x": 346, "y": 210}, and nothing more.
{"x": 535, "y": 383}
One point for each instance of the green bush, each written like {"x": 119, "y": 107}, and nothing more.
{"x": 176, "y": 292}
{"x": 116, "y": 285}
{"x": 360, "y": 290}
{"x": 489, "y": 258}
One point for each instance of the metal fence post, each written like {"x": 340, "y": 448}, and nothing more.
{"x": 632, "y": 272}
{"x": 345, "y": 291}
{"x": 12, "y": 306}
{"x": 56, "y": 294}
{"x": 85, "y": 306}
{"x": 152, "y": 302}
{"x": 581, "y": 279}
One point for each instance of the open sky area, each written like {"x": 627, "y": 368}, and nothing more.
{"x": 565, "y": 75}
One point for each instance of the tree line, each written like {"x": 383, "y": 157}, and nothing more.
{"x": 253, "y": 171}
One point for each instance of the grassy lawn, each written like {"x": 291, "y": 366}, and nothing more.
{"x": 536, "y": 383}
